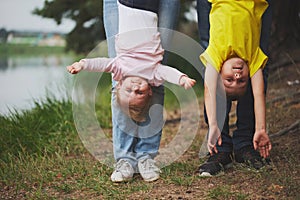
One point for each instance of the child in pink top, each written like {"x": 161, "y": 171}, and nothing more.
{"x": 137, "y": 65}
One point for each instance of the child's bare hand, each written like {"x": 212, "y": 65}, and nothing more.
{"x": 186, "y": 82}
{"x": 74, "y": 68}
{"x": 261, "y": 142}
{"x": 214, "y": 137}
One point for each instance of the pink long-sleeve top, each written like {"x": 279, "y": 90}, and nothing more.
{"x": 142, "y": 60}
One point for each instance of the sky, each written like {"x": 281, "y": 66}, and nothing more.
{"x": 17, "y": 15}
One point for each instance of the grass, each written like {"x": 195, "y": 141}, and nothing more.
{"x": 42, "y": 157}
{"x": 225, "y": 192}
{"x": 37, "y": 130}
{"x": 41, "y": 154}
{"x": 26, "y": 50}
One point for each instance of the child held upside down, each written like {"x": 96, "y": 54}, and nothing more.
{"x": 137, "y": 65}
{"x": 234, "y": 53}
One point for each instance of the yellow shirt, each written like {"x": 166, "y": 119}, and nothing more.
{"x": 235, "y": 32}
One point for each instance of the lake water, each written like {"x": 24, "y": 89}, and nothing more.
{"x": 24, "y": 80}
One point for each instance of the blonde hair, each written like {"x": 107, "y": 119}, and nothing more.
{"x": 136, "y": 112}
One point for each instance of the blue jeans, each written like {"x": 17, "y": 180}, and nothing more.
{"x": 130, "y": 141}
{"x": 245, "y": 123}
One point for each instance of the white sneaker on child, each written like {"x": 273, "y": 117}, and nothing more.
{"x": 148, "y": 170}
{"x": 123, "y": 171}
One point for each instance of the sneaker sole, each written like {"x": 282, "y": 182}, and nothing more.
{"x": 221, "y": 173}
{"x": 207, "y": 174}
{"x": 121, "y": 180}
{"x": 151, "y": 179}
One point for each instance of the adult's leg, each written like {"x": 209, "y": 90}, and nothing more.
{"x": 243, "y": 136}
{"x": 168, "y": 15}
{"x": 222, "y": 160}
{"x": 123, "y": 142}
{"x": 147, "y": 147}
{"x": 203, "y": 10}
{"x": 149, "y": 132}
{"x": 111, "y": 21}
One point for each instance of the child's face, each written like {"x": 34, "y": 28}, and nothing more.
{"x": 134, "y": 90}
{"x": 235, "y": 75}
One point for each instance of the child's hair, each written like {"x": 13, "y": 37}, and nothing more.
{"x": 138, "y": 113}
{"x": 236, "y": 95}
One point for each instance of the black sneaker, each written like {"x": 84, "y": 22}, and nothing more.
{"x": 250, "y": 157}
{"x": 216, "y": 164}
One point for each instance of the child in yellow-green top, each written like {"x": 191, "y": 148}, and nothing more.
{"x": 235, "y": 54}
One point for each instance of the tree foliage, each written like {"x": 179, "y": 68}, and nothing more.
{"x": 87, "y": 15}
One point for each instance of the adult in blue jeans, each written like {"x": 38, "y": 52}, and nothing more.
{"x": 239, "y": 146}
{"x": 136, "y": 146}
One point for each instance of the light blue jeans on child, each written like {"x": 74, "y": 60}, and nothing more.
{"x": 130, "y": 141}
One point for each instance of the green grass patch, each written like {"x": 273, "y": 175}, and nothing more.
{"x": 224, "y": 192}
{"x": 47, "y": 128}
{"x": 179, "y": 173}
{"x": 29, "y": 50}
{"x": 42, "y": 156}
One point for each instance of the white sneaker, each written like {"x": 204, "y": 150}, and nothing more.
{"x": 148, "y": 170}
{"x": 123, "y": 171}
